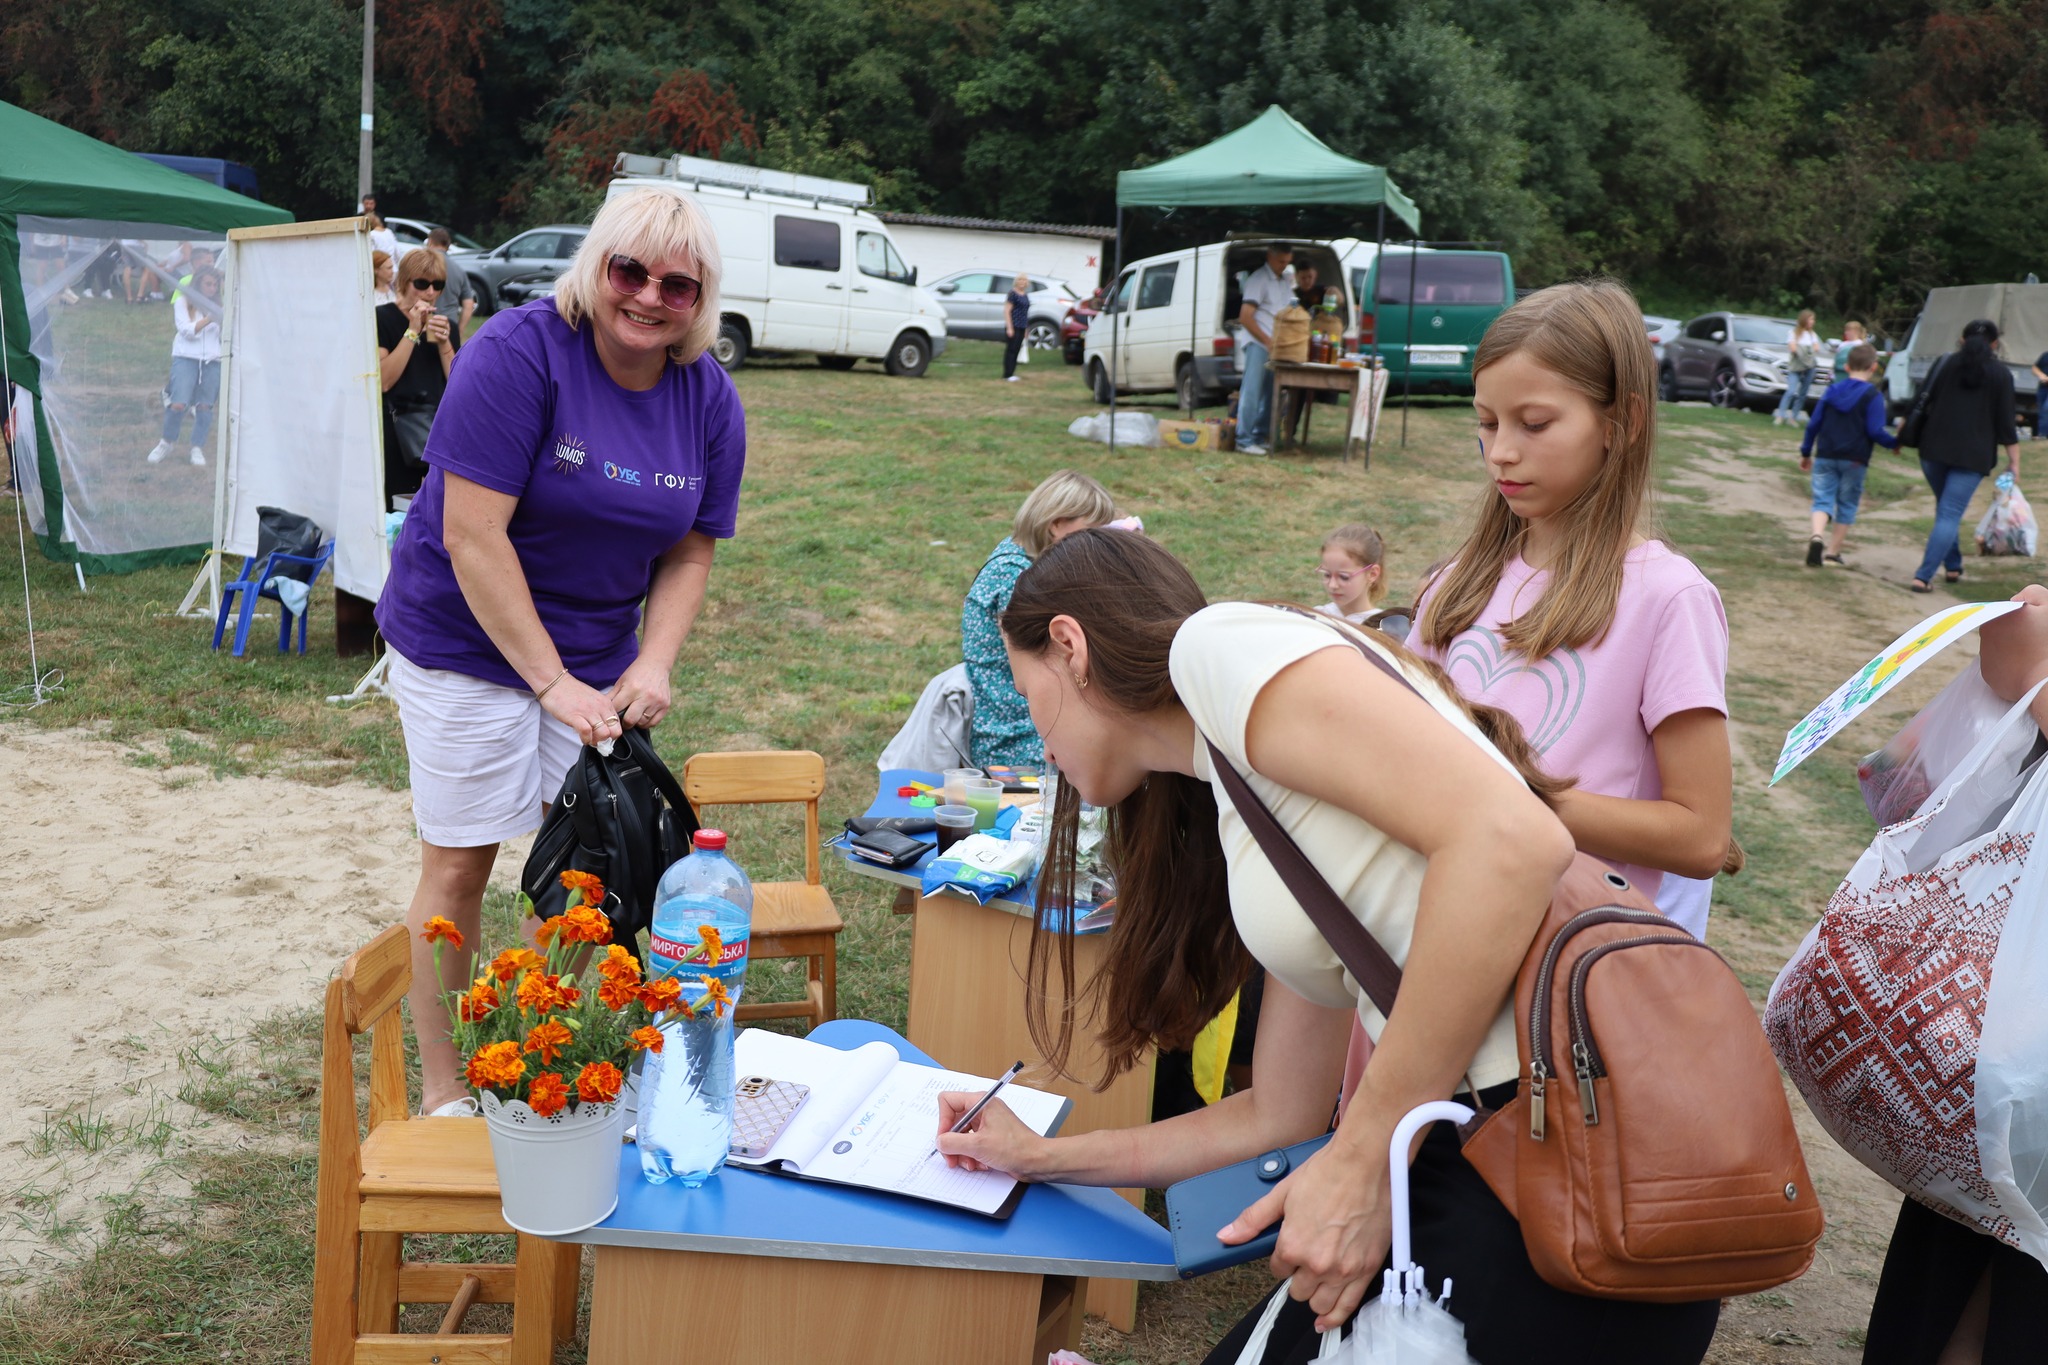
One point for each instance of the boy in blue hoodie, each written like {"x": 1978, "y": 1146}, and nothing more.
{"x": 1849, "y": 418}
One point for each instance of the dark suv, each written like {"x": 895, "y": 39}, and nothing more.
{"x": 1734, "y": 360}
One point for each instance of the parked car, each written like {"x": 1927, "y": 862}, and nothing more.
{"x": 1734, "y": 360}
{"x": 413, "y": 232}
{"x": 505, "y": 275}
{"x": 1169, "y": 322}
{"x": 806, "y": 268}
{"x": 1661, "y": 330}
{"x": 973, "y": 300}
{"x": 1424, "y": 312}
{"x": 1074, "y": 326}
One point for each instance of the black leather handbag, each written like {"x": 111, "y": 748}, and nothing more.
{"x": 1915, "y": 426}
{"x": 621, "y": 817}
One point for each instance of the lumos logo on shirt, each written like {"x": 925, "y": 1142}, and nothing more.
{"x": 569, "y": 454}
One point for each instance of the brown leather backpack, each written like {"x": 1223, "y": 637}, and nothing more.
{"x": 1649, "y": 1152}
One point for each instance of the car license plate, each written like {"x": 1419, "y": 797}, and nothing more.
{"x": 1436, "y": 355}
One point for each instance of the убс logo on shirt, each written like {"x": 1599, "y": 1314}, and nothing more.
{"x": 569, "y": 454}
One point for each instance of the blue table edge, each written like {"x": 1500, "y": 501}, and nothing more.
{"x": 848, "y": 1034}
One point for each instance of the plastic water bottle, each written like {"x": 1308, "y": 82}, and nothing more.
{"x": 686, "y": 1089}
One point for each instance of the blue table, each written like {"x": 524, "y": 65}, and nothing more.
{"x": 758, "y": 1267}
{"x": 967, "y": 994}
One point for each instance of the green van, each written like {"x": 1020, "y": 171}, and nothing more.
{"x": 1425, "y": 311}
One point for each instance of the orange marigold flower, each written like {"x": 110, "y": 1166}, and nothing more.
{"x": 542, "y": 992}
{"x": 547, "y": 931}
{"x": 586, "y": 882}
{"x": 710, "y": 943}
{"x": 513, "y": 961}
{"x": 495, "y": 1066}
{"x": 548, "y": 1040}
{"x": 619, "y": 965}
{"x": 481, "y": 1000}
{"x": 438, "y": 928}
{"x": 548, "y": 1094}
{"x": 598, "y": 1083}
{"x": 617, "y": 995}
{"x": 585, "y": 924}
{"x": 646, "y": 1039}
{"x": 662, "y": 993}
{"x": 716, "y": 993}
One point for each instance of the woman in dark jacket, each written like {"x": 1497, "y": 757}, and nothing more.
{"x": 1967, "y": 413}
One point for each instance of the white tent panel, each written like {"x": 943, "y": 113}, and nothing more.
{"x": 305, "y": 408}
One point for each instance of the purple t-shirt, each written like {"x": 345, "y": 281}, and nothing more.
{"x": 607, "y": 479}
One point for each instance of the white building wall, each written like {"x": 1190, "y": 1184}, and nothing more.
{"x": 939, "y": 251}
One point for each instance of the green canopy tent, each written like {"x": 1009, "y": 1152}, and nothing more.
{"x": 1270, "y": 161}
{"x": 86, "y": 376}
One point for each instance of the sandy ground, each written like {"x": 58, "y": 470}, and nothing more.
{"x": 152, "y": 911}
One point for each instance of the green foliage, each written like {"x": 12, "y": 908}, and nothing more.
{"x": 1736, "y": 152}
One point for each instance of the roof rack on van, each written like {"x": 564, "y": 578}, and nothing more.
{"x": 753, "y": 179}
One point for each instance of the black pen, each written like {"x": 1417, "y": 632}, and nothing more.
{"x": 971, "y": 1115}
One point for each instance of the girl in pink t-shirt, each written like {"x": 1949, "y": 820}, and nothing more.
{"x": 1611, "y": 649}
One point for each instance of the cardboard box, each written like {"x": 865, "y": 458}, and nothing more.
{"x": 1190, "y": 435}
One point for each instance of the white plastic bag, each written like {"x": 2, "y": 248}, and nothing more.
{"x": 1898, "y": 779}
{"x": 2007, "y": 526}
{"x": 1132, "y": 428}
{"x": 1914, "y": 1015}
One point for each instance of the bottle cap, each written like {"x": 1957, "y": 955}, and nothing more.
{"x": 710, "y": 839}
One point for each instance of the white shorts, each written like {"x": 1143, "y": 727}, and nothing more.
{"x": 484, "y": 758}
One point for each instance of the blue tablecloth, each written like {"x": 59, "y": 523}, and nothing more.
{"x": 1056, "y": 1229}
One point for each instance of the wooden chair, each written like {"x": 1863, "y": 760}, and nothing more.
{"x": 415, "y": 1176}
{"x": 791, "y": 919}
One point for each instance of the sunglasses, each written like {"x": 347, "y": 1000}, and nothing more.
{"x": 678, "y": 292}
{"x": 429, "y": 284}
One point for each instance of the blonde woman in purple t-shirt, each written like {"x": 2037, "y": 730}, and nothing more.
{"x": 582, "y": 466}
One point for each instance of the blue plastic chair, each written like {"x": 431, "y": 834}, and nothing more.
{"x": 250, "y": 586}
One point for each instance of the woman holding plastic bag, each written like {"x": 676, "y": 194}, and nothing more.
{"x": 1913, "y": 1019}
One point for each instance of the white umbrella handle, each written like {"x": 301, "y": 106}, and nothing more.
{"x": 1412, "y": 1123}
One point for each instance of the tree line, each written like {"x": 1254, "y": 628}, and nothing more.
{"x": 1842, "y": 157}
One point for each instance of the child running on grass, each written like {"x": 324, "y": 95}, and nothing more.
{"x": 1353, "y": 571}
{"x": 1849, "y": 418}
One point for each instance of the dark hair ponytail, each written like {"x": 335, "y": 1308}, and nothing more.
{"x": 1978, "y": 339}
{"x": 1174, "y": 957}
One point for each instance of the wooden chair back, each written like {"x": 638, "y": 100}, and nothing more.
{"x": 363, "y": 998}
{"x": 762, "y": 777}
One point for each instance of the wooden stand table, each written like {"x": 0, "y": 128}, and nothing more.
{"x": 1306, "y": 380}
{"x": 759, "y": 1267}
{"x": 967, "y": 991}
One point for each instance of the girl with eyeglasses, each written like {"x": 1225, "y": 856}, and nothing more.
{"x": 1353, "y": 572}
{"x": 415, "y": 355}
{"x": 584, "y": 464}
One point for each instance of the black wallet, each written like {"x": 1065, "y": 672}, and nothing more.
{"x": 902, "y": 824}
{"x": 887, "y": 847}
{"x": 1203, "y": 1205}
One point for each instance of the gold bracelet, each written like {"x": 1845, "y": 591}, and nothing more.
{"x": 551, "y": 684}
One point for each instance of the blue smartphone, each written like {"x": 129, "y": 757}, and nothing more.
{"x": 1198, "y": 1207}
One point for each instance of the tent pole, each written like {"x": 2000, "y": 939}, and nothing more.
{"x": 1379, "y": 247}
{"x": 369, "y": 115}
{"x": 1116, "y": 321}
{"x": 1408, "y": 343}
{"x": 1194, "y": 322}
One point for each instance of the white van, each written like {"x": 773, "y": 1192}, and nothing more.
{"x": 806, "y": 267}
{"x": 1171, "y": 319}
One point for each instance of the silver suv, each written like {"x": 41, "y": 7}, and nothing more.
{"x": 1734, "y": 360}
{"x": 973, "y": 300}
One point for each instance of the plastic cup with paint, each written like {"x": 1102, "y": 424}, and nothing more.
{"x": 955, "y": 824}
{"x": 986, "y": 796}
{"x": 956, "y": 784}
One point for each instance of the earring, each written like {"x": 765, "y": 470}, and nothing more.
{"x": 1080, "y": 683}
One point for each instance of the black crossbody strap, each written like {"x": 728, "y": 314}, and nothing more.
{"x": 1361, "y": 953}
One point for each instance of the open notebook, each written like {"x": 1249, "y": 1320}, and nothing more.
{"x": 871, "y": 1118}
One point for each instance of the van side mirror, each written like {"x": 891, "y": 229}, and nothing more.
{"x": 913, "y": 274}
{"x": 1717, "y": 336}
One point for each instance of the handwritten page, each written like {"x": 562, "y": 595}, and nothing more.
{"x": 887, "y": 1143}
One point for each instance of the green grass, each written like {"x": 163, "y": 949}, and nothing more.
{"x": 869, "y": 504}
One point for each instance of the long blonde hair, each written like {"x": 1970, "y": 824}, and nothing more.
{"x": 1591, "y": 335}
{"x": 649, "y": 224}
